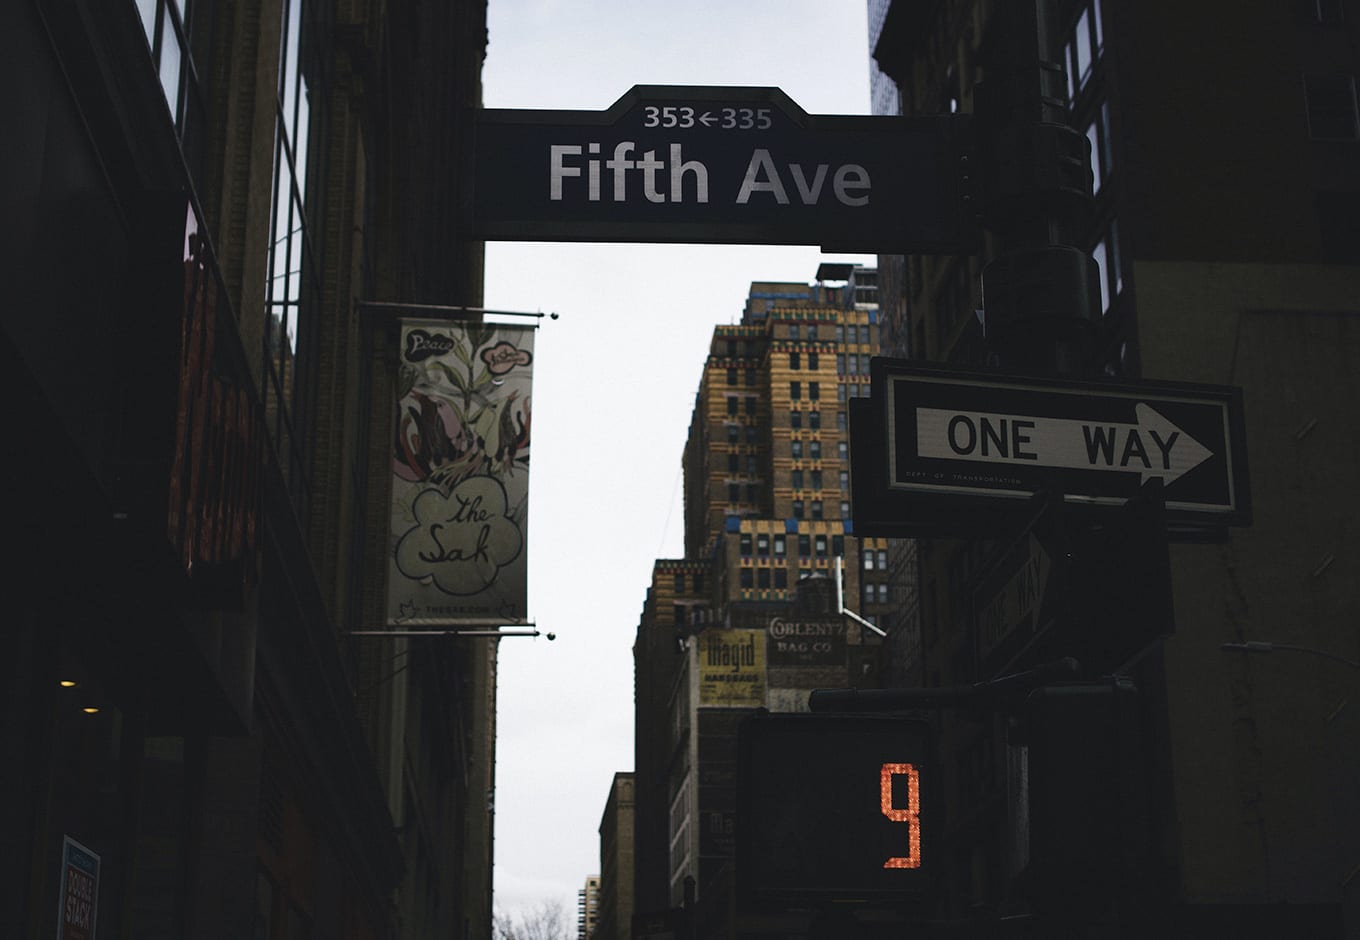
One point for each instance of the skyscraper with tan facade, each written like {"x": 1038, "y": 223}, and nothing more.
{"x": 751, "y": 617}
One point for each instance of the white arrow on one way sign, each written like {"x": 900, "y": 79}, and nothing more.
{"x": 1154, "y": 447}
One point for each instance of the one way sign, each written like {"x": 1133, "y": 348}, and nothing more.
{"x": 1151, "y": 447}
{"x": 949, "y": 442}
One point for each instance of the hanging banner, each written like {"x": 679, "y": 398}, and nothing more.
{"x": 460, "y": 487}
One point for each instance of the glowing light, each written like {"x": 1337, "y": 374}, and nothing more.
{"x": 911, "y": 814}
{"x": 67, "y": 683}
{"x": 90, "y": 710}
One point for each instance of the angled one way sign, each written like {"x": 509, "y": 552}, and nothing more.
{"x": 957, "y": 440}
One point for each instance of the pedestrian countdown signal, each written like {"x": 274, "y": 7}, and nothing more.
{"x": 833, "y": 806}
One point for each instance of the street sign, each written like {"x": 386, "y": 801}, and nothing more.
{"x": 834, "y": 807}
{"x": 720, "y": 165}
{"x": 1010, "y": 599}
{"x": 946, "y": 445}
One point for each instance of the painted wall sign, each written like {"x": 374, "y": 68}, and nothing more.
{"x": 460, "y": 474}
{"x": 724, "y": 165}
{"x": 795, "y": 642}
{"x": 731, "y": 667}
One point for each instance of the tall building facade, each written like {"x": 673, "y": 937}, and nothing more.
{"x": 1223, "y": 228}
{"x": 616, "y": 860}
{"x": 588, "y": 908}
{"x": 200, "y": 197}
{"x": 751, "y": 617}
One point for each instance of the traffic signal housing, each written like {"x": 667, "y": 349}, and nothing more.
{"x": 834, "y": 807}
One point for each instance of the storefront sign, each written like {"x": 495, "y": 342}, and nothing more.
{"x": 78, "y": 913}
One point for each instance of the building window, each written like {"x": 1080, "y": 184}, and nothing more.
{"x": 814, "y": 391}
{"x": 815, "y": 420}
{"x": 812, "y": 360}
{"x": 839, "y": 333}
{"x": 781, "y": 578}
{"x": 845, "y": 510}
{"x": 779, "y": 545}
{"x": 796, "y": 479}
{"x": 293, "y": 290}
{"x": 868, "y": 590}
{"x": 812, "y": 332}
{"x": 794, "y": 361}
{"x": 752, "y": 465}
{"x": 796, "y": 449}
{"x": 1083, "y": 47}
{"x": 680, "y": 584}
{"x": 1339, "y": 226}
{"x": 1102, "y": 157}
{"x": 745, "y": 578}
{"x": 745, "y": 542}
{"x": 1106, "y": 255}
{"x": 733, "y": 433}
{"x": 732, "y": 406}
{"x": 1327, "y": 12}
{"x": 763, "y": 544}
{"x": 731, "y": 376}
{"x": 816, "y": 479}
{"x": 174, "y": 30}
{"x": 883, "y": 593}
{"x": 793, "y": 331}
{"x": 751, "y": 405}
{"x": 868, "y": 560}
{"x": 750, "y": 376}
{"x": 843, "y": 449}
{"x": 844, "y": 479}
{"x": 797, "y": 509}
{"x": 883, "y": 559}
{"x": 804, "y": 546}
{"x": 678, "y": 614}
{"x": 795, "y": 419}
{"x": 820, "y": 543}
{"x": 816, "y": 509}
{"x": 733, "y": 462}
{"x": 795, "y": 391}
{"x": 815, "y": 450}
{"x": 838, "y": 546}
{"x": 762, "y": 577}
{"x": 841, "y": 423}
{"x": 734, "y": 492}
{"x": 1331, "y": 107}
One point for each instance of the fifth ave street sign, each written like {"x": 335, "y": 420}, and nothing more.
{"x": 988, "y": 441}
{"x": 720, "y": 165}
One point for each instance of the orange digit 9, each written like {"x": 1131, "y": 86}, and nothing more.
{"x": 911, "y": 814}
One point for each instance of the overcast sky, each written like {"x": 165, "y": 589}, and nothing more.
{"x": 614, "y": 384}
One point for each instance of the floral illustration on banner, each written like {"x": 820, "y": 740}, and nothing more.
{"x": 455, "y": 422}
{"x": 461, "y": 461}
